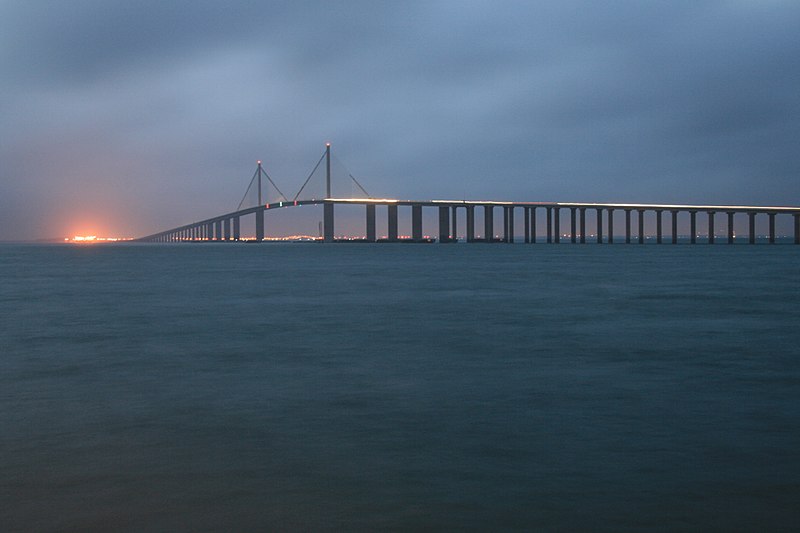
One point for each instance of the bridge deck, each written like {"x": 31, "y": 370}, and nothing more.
{"x": 212, "y": 228}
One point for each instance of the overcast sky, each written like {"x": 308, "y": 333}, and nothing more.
{"x": 124, "y": 118}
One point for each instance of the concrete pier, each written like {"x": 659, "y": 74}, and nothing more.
{"x": 730, "y": 226}
{"x": 327, "y": 222}
{"x": 549, "y": 211}
{"x": 557, "y": 225}
{"x": 416, "y": 222}
{"x": 583, "y": 224}
{"x": 797, "y": 229}
{"x": 752, "y": 226}
{"x": 640, "y": 220}
{"x": 370, "y": 214}
{"x": 508, "y": 220}
{"x": 527, "y": 222}
{"x": 533, "y": 225}
{"x": 392, "y": 222}
{"x": 674, "y": 226}
{"x": 771, "y": 228}
{"x": 659, "y": 226}
{"x": 455, "y": 223}
{"x": 237, "y": 229}
{"x": 572, "y": 227}
{"x": 488, "y": 223}
{"x": 599, "y": 225}
{"x": 260, "y": 224}
{"x": 711, "y": 227}
{"x": 444, "y": 223}
{"x": 693, "y": 227}
{"x": 470, "y": 223}
{"x": 627, "y": 226}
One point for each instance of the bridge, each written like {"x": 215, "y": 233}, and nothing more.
{"x": 227, "y": 227}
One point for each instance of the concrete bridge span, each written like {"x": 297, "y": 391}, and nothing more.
{"x": 572, "y": 228}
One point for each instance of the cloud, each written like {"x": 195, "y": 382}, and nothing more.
{"x": 160, "y": 109}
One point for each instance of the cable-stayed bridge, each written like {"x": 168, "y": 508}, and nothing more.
{"x": 227, "y": 226}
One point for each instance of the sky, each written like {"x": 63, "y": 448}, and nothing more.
{"x": 126, "y": 118}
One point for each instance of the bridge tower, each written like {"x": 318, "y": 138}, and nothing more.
{"x": 328, "y": 170}
{"x": 327, "y": 208}
{"x": 259, "y": 170}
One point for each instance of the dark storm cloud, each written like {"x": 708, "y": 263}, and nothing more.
{"x": 150, "y": 114}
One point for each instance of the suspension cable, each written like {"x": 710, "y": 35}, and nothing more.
{"x": 273, "y": 184}
{"x": 248, "y": 190}
{"x": 309, "y": 177}
{"x": 359, "y": 185}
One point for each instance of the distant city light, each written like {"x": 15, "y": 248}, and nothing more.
{"x": 88, "y": 239}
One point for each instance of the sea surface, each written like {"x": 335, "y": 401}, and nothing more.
{"x": 284, "y": 387}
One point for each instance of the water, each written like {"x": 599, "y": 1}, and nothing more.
{"x": 363, "y": 387}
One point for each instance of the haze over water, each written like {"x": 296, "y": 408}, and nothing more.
{"x": 300, "y": 386}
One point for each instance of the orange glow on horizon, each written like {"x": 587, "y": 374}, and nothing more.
{"x": 94, "y": 238}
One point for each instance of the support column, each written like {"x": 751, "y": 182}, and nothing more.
{"x": 210, "y": 231}
{"x": 771, "y": 228}
{"x": 455, "y": 224}
{"x": 752, "y": 217}
{"x": 527, "y": 215}
{"x": 573, "y": 228}
{"x": 237, "y": 231}
{"x": 226, "y": 229}
{"x": 610, "y": 226}
{"x": 327, "y": 222}
{"x": 533, "y": 225}
{"x": 549, "y": 224}
{"x": 674, "y": 226}
{"x": 557, "y": 225}
{"x": 470, "y": 223}
{"x": 392, "y": 222}
{"x": 260, "y": 225}
{"x": 693, "y": 227}
{"x": 711, "y": 227}
{"x": 218, "y": 231}
{"x": 797, "y": 229}
{"x": 659, "y": 226}
{"x": 488, "y": 222}
{"x": 416, "y": 222}
{"x": 371, "y": 237}
{"x": 627, "y": 226}
{"x": 510, "y": 224}
{"x": 641, "y": 225}
{"x": 444, "y": 224}
{"x": 730, "y": 227}
{"x": 583, "y": 225}
{"x": 505, "y": 224}
{"x": 599, "y": 226}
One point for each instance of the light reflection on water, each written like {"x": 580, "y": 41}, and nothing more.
{"x": 306, "y": 386}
